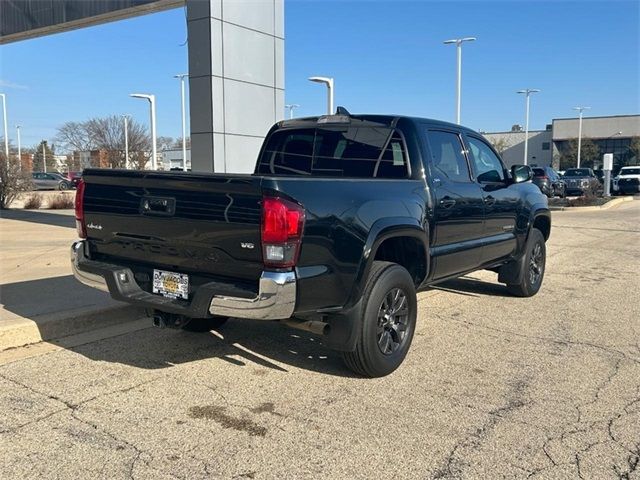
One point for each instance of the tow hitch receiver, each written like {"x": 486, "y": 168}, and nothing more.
{"x": 168, "y": 320}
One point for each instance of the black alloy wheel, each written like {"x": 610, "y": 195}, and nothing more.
{"x": 393, "y": 317}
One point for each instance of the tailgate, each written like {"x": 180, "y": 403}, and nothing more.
{"x": 185, "y": 222}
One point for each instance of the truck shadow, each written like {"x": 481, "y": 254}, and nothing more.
{"x": 65, "y": 312}
{"x": 243, "y": 343}
{"x": 62, "y": 218}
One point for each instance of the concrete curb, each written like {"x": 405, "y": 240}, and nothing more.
{"x": 610, "y": 204}
{"x": 18, "y": 331}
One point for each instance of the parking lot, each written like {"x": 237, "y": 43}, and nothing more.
{"x": 493, "y": 387}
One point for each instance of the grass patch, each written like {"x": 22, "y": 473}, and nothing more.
{"x": 33, "y": 202}
{"x": 60, "y": 202}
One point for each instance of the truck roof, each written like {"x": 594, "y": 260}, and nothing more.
{"x": 378, "y": 118}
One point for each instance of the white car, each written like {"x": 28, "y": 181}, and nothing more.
{"x": 627, "y": 181}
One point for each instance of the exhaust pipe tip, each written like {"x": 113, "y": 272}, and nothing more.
{"x": 158, "y": 321}
{"x": 313, "y": 326}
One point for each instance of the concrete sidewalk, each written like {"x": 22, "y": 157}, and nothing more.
{"x": 39, "y": 298}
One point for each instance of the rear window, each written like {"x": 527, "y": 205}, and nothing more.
{"x": 539, "y": 172}
{"x": 630, "y": 171}
{"x": 577, "y": 172}
{"x": 349, "y": 151}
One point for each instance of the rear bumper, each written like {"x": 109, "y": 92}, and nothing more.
{"x": 275, "y": 300}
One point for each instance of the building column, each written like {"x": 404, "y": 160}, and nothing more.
{"x": 236, "y": 80}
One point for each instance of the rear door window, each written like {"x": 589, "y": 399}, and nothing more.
{"x": 349, "y": 151}
{"x": 447, "y": 156}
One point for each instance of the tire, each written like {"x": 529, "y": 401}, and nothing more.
{"x": 63, "y": 186}
{"x": 534, "y": 263}
{"x": 202, "y": 325}
{"x": 384, "y": 341}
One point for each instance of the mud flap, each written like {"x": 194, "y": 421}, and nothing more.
{"x": 345, "y": 329}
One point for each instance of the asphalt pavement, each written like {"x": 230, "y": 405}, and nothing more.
{"x": 493, "y": 387}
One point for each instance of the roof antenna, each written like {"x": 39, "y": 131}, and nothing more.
{"x": 342, "y": 111}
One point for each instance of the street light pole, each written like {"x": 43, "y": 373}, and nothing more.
{"x": 44, "y": 155}
{"x": 152, "y": 105}
{"x": 126, "y": 140}
{"x": 580, "y": 109}
{"x": 6, "y": 135}
{"x": 328, "y": 81}
{"x": 184, "y": 128}
{"x": 291, "y": 107}
{"x": 527, "y": 92}
{"x": 19, "y": 148}
{"x": 458, "y": 43}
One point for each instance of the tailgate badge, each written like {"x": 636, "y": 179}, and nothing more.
{"x": 93, "y": 226}
{"x": 247, "y": 245}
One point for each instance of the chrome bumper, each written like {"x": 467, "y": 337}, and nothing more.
{"x": 275, "y": 300}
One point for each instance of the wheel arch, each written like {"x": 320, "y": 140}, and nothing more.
{"x": 399, "y": 240}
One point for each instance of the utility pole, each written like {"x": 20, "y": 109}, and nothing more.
{"x": 184, "y": 122}
{"x": 126, "y": 141}
{"x": 291, "y": 107}
{"x": 458, "y": 44}
{"x": 580, "y": 109}
{"x": 527, "y": 92}
{"x": 44, "y": 155}
{"x": 6, "y": 135}
{"x": 328, "y": 81}
{"x": 19, "y": 148}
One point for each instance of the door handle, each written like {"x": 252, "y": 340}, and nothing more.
{"x": 447, "y": 202}
{"x": 489, "y": 200}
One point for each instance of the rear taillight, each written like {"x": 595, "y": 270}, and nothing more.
{"x": 80, "y": 225}
{"x": 282, "y": 224}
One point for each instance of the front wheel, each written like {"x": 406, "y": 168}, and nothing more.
{"x": 387, "y": 321}
{"x": 534, "y": 266}
{"x": 204, "y": 324}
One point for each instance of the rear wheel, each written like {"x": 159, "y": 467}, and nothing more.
{"x": 204, "y": 324}
{"x": 534, "y": 266}
{"x": 388, "y": 321}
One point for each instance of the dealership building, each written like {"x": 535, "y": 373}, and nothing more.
{"x": 613, "y": 134}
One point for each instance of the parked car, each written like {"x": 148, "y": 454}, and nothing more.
{"x": 548, "y": 181}
{"x": 343, "y": 220}
{"x": 581, "y": 181}
{"x": 627, "y": 181}
{"x": 50, "y": 181}
{"x": 73, "y": 177}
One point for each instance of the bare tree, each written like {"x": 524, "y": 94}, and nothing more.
{"x": 13, "y": 181}
{"x": 75, "y": 136}
{"x": 107, "y": 135}
{"x": 500, "y": 144}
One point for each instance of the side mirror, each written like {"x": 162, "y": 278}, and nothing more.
{"x": 521, "y": 173}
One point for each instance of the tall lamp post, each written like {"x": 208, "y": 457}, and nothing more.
{"x": 328, "y": 81}
{"x": 125, "y": 117}
{"x": 527, "y": 92}
{"x": 4, "y": 117}
{"x": 19, "y": 147}
{"x": 184, "y": 121}
{"x": 291, "y": 107}
{"x": 580, "y": 109}
{"x": 152, "y": 108}
{"x": 44, "y": 155}
{"x": 458, "y": 42}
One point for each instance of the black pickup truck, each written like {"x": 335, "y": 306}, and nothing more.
{"x": 344, "y": 219}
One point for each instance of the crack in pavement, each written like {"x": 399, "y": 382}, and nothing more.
{"x": 454, "y": 464}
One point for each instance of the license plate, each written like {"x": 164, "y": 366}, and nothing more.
{"x": 171, "y": 284}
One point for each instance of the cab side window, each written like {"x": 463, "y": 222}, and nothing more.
{"x": 447, "y": 156}
{"x": 486, "y": 164}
